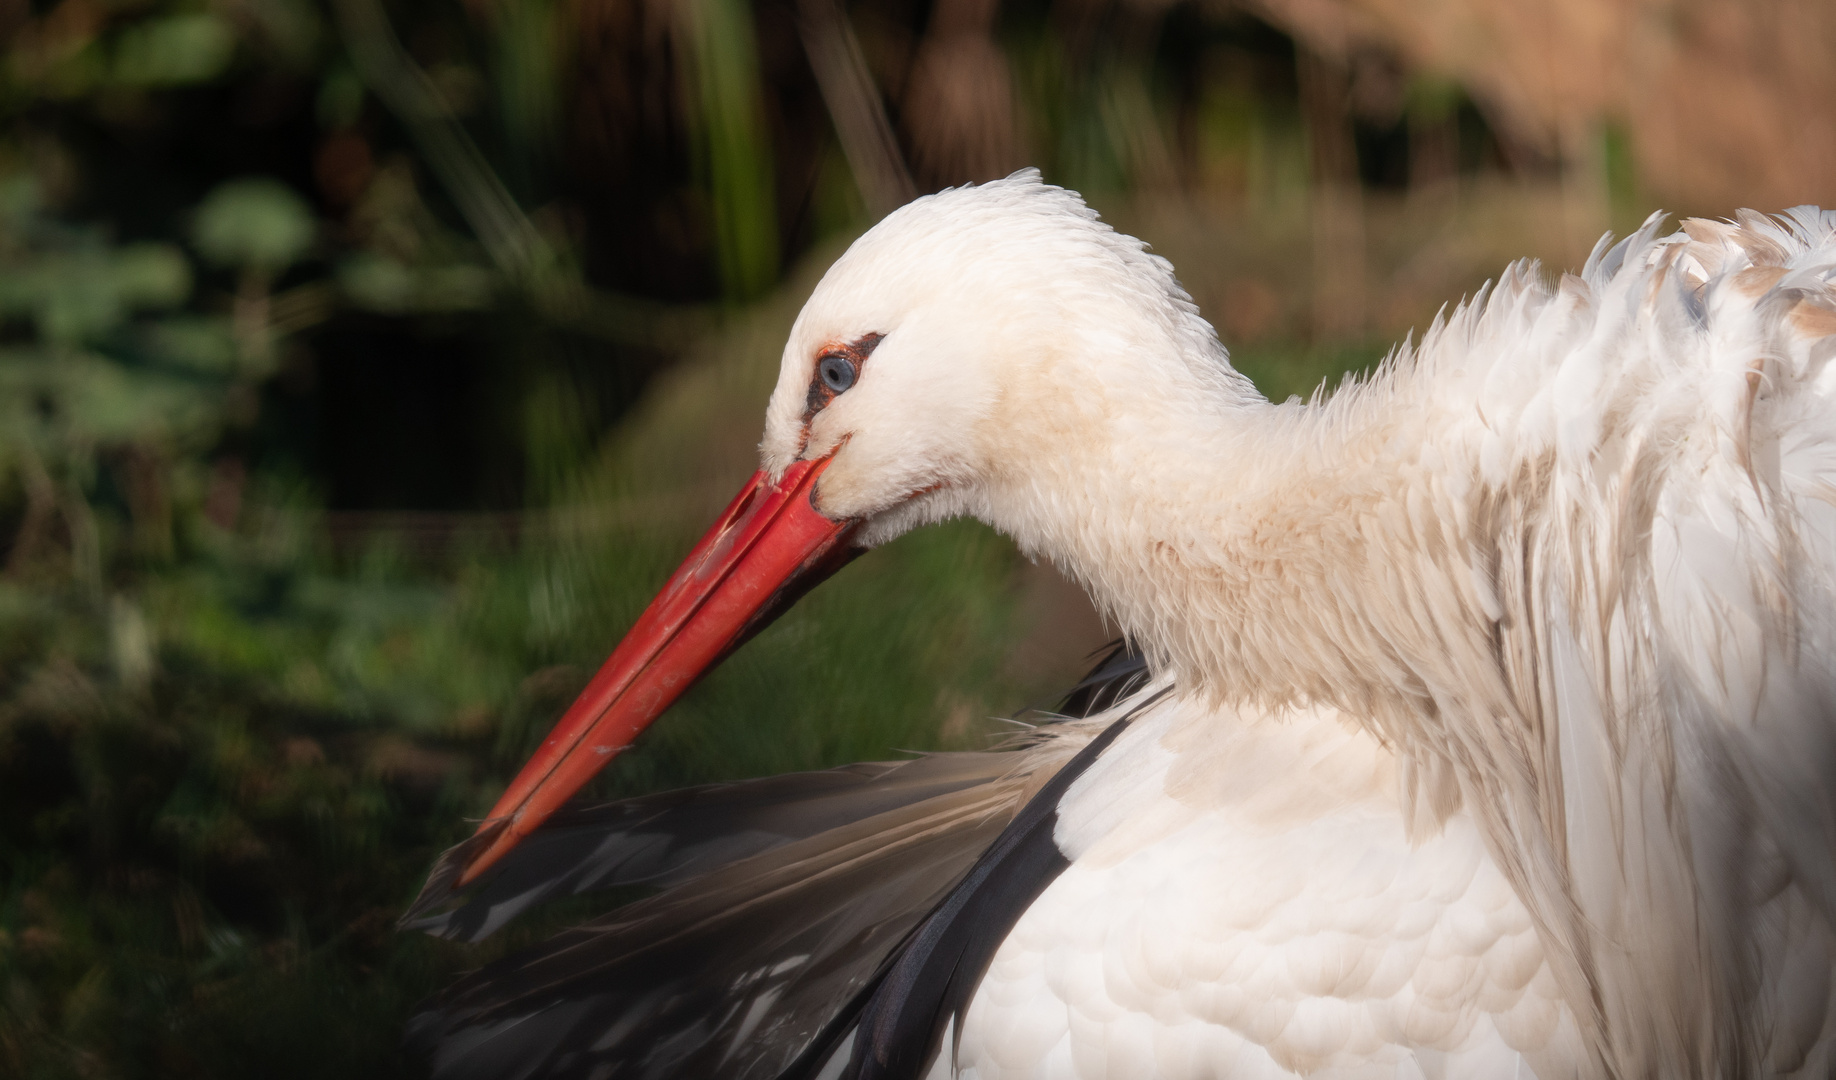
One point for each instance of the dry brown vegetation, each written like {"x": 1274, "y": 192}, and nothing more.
{"x": 1726, "y": 103}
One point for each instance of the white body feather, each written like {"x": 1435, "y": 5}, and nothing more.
{"x": 1533, "y": 631}
{"x": 1243, "y": 903}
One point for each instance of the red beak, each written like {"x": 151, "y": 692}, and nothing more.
{"x": 768, "y": 549}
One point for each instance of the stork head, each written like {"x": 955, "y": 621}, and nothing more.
{"x": 979, "y": 342}
{"x": 981, "y": 351}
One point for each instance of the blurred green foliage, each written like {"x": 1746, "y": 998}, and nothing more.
{"x": 256, "y": 224}
{"x": 217, "y": 791}
{"x": 229, "y": 748}
{"x": 733, "y": 146}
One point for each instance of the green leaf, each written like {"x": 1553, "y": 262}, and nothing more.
{"x": 377, "y": 282}
{"x": 174, "y": 51}
{"x": 198, "y": 343}
{"x": 76, "y": 297}
{"x": 256, "y": 223}
{"x": 152, "y": 276}
{"x": 112, "y": 404}
{"x": 382, "y": 284}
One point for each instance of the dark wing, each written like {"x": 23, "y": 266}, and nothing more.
{"x": 788, "y": 905}
{"x": 665, "y": 839}
{"x": 1120, "y": 673}
{"x": 728, "y": 974}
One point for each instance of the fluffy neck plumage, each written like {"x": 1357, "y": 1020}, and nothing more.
{"x": 1244, "y": 543}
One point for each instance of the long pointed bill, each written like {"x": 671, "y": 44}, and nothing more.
{"x": 768, "y": 549}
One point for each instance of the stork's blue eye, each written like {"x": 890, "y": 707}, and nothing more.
{"x": 837, "y": 372}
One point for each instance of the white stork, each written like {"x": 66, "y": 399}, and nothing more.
{"x": 1488, "y": 728}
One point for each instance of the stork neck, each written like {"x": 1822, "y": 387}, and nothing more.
{"x": 1224, "y": 537}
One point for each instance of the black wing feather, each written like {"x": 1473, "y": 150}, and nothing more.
{"x": 792, "y": 908}
{"x": 729, "y": 973}
{"x": 1120, "y": 672}
{"x": 665, "y": 839}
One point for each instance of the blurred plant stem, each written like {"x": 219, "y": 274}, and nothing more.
{"x": 531, "y": 57}
{"x": 512, "y": 241}
{"x": 734, "y": 153}
{"x": 548, "y": 283}
{"x": 44, "y": 500}
{"x": 855, "y": 107}
{"x": 1337, "y": 202}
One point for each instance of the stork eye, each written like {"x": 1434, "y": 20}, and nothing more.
{"x": 837, "y": 373}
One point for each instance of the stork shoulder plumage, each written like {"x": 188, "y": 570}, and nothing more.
{"x": 1497, "y": 723}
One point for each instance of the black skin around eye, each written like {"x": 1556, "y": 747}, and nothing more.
{"x": 838, "y": 367}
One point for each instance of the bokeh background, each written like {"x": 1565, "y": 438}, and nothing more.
{"x": 364, "y": 366}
